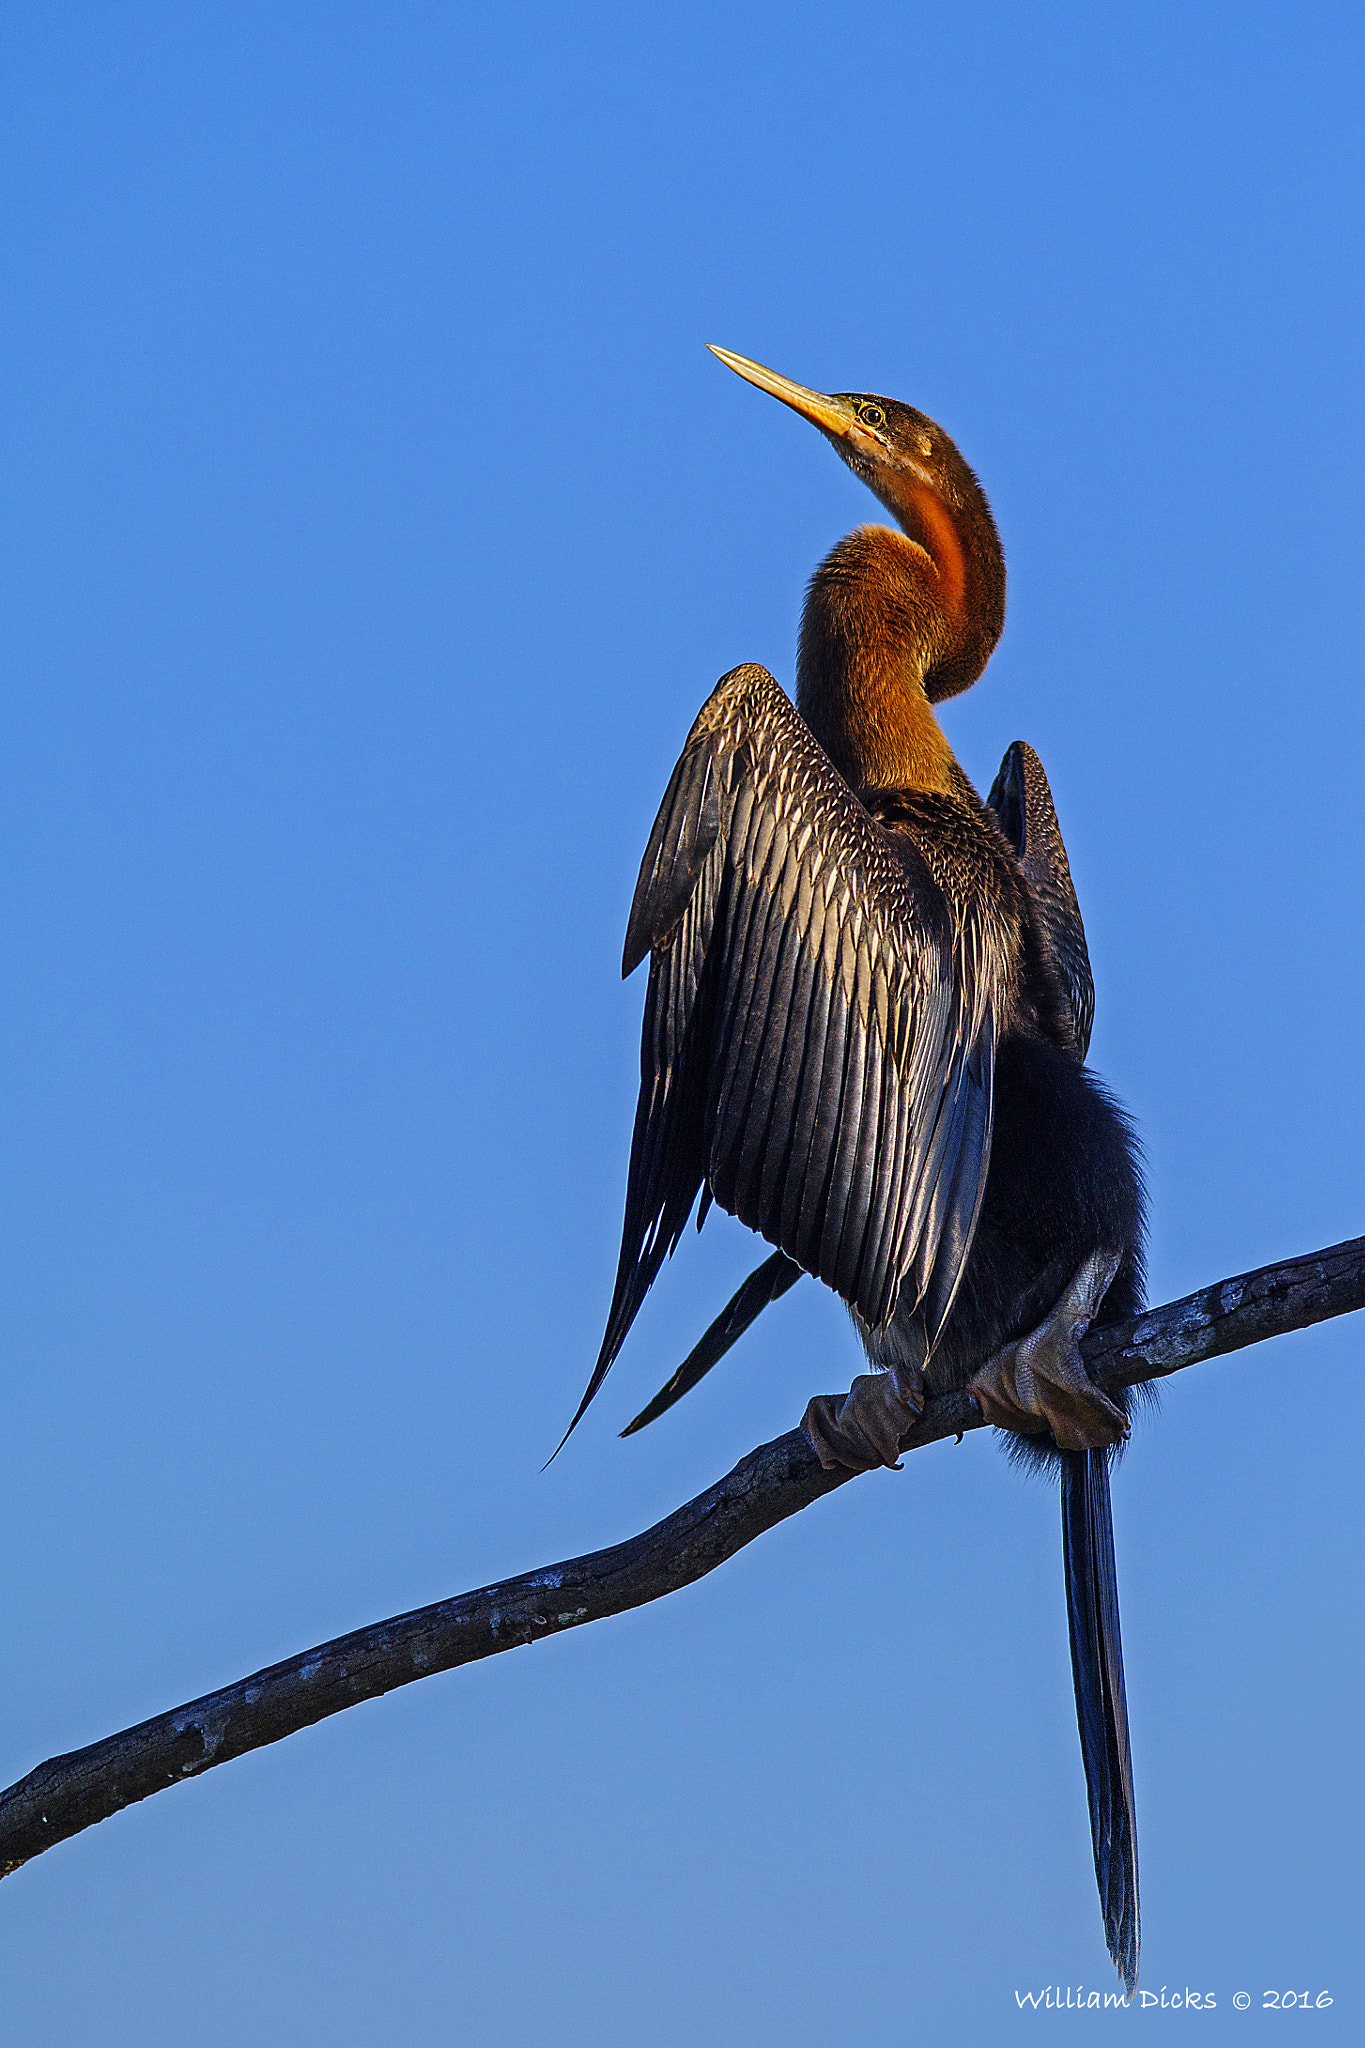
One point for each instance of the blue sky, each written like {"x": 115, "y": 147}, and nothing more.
{"x": 375, "y": 525}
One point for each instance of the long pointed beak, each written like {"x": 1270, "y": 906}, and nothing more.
{"x": 833, "y": 417}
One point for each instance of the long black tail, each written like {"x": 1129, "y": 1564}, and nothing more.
{"x": 1092, "y": 1612}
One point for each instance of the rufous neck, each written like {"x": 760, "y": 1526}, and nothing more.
{"x": 872, "y": 629}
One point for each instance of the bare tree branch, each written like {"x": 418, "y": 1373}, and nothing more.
{"x": 72, "y": 1792}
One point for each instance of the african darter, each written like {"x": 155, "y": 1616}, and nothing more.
{"x": 868, "y": 1010}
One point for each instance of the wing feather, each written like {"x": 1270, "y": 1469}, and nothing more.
{"x": 844, "y": 1137}
{"x": 768, "y": 1135}
{"x": 1022, "y": 801}
{"x": 826, "y": 1117}
{"x": 801, "y": 1166}
{"x": 780, "y": 1135}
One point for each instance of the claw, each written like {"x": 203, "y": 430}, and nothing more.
{"x": 1039, "y": 1382}
{"x": 863, "y": 1428}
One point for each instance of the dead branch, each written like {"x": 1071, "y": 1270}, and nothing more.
{"x": 72, "y": 1792}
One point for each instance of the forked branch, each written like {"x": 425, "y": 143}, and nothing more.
{"x": 72, "y": 1792}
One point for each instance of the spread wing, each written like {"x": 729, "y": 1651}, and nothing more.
{"x": 819, "y": 1032}
{"x": 1022, "y": 801}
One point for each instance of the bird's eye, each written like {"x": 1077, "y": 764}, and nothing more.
{"x": 871, "y": 415}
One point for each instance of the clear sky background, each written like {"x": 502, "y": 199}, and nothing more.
{"x": 375, "y": 526}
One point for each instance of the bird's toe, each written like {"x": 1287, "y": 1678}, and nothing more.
{"x": 863, "y": 1428}
{"x": 1039, "y": 1383}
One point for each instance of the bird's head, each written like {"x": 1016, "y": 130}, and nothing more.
{"x": 916, "y": 470}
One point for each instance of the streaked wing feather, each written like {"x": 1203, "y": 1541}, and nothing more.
{"x": 965, "y": 1180}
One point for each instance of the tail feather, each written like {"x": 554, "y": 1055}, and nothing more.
{"x": 1092, "y": 1607}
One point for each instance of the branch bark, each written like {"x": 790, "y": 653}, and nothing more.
{"x": 69, "y": 1793}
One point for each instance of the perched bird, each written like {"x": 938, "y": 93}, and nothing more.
{"x": 869, "y": 1005}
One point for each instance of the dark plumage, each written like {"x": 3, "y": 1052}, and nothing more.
{"x": 869, "y": 1003}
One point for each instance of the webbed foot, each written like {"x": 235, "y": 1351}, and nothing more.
{"x": 1039, "y": 1382}
{"x": 863, "y": 1428}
